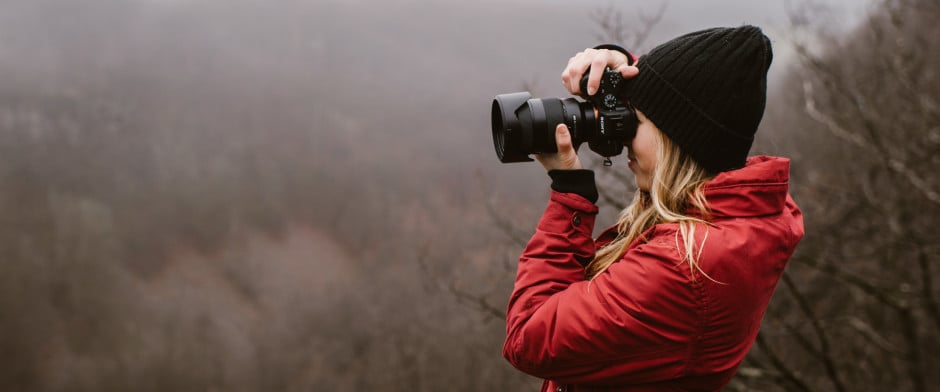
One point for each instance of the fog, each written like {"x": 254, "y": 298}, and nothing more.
{"x": 415, "y": 78}
{"x": 259, "y": 195}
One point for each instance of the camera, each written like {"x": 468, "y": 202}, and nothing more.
{"x": 523, "y": 125}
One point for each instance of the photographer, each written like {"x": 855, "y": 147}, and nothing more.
{"x": 672, "y": 296}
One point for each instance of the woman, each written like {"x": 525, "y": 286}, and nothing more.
{"x": 670, "y": 298}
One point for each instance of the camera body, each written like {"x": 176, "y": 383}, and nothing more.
{"x": 523, "y": 125}
{"x": 616, "y": 120}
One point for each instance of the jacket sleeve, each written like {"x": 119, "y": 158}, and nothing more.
{"x": 615, "y": 329}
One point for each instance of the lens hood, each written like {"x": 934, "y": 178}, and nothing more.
{"x": 508, "y": 131}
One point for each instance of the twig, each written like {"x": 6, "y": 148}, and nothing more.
{"x": 869, "y": 333}
{"x": 478, "y": 301}
{"x": 926, "y": 287}
{"x": 506, "y": 226}
{"x": 785, "y": 372}
{"x": 825, "y": 354}
{"x": 909, "y": 330}
{"x": 614, "y": 30}
{"x": 833, "y": 127}
{"x": 878, "y": 293}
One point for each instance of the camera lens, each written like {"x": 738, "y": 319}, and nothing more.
{"x": 523, "y": 125}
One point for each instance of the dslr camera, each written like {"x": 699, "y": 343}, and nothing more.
{"x": 523, "y": 125}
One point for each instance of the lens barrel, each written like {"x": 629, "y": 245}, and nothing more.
{"x": 523, "y": 125}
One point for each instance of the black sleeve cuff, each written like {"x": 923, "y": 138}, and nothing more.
{"x": 578, "y": 181}
{"x": 630, "y": 59}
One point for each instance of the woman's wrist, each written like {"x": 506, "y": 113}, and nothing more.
{"x": 577, "y": 181}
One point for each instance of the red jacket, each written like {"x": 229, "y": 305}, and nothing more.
{"x": 645, "y": 324}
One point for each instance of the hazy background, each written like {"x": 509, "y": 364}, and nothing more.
{"x": 303, "y": 195}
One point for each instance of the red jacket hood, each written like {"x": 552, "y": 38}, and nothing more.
{"x": 759, "y": 188}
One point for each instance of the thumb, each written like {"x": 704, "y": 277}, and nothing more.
{"x": 567, "y": 158}
{"x": 563, "y": 139}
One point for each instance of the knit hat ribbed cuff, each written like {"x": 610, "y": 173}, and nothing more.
{"x": 686, "y": 125}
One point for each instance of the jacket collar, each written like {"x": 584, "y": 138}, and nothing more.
{"x": 759, "y": 188}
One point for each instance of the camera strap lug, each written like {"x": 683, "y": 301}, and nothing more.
{"x": 608, "y": 162}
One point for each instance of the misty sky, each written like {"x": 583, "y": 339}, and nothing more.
{"x": 416, "y": 77}
{"x": 451, "y": 58}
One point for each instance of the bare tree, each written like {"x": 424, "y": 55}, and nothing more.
{"x": 857, "y": 309}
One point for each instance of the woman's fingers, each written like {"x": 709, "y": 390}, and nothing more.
{"x": 598, "y": 60}
{"x": 571, "y": 76}
{"x": 598, "y": 65}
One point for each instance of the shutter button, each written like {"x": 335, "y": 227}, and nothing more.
{"x": 576, "y": 220}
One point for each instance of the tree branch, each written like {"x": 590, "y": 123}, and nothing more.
{"x": 478, "y": 301}
{"x": 614, "y": 30}
{"x": 909, "y": 331}
{"x": 785, "y": 372}
{"x": 837, "y": 130}
{"x": 926, "y": 288}
{"x": 878, "y": 293}
{"x": 825, "y": 354}
{"x": 506, "y": 226}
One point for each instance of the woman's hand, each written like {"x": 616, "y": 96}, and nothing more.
{"x": 598, "y": 60}
{"x": 566, "y": 158}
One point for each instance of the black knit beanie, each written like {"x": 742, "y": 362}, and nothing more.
{"x": 706, "y": 91}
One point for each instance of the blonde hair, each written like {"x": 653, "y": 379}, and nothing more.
{"x": 676, "y": 187}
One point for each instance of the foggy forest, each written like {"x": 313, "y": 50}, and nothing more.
{"x": 296, "y": 195}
